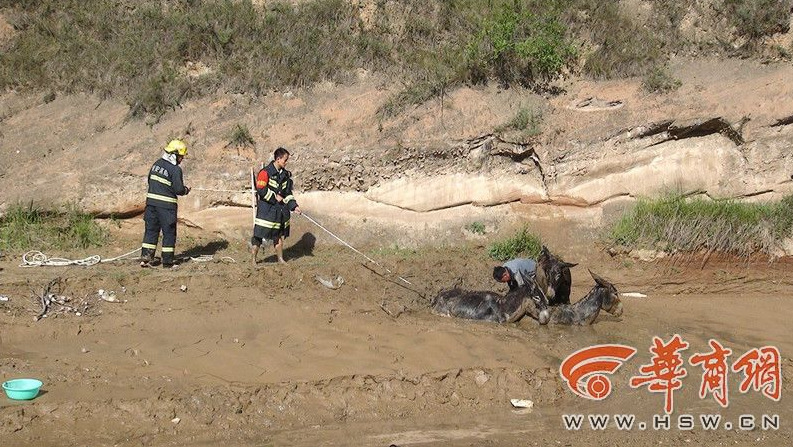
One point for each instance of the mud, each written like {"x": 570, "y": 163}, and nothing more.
{"x": 269, "y": 356}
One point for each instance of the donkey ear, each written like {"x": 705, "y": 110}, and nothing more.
{"x": 602, "y": 282}
{"x": 544, "y": 251}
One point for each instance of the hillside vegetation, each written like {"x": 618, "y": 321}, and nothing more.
{"x": 158, "y": 54}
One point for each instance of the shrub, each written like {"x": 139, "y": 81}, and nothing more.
{"x": 621, "y": 47}
{"x": 240, "y": 137}
{"x": 526, "y": 120}
{"x": 476, "y": 227}
{"x": 523, "y": 243}
{"x": 658, "y": 80}
{"x": 515, "y": 45}
{"x": 755, "y": 19}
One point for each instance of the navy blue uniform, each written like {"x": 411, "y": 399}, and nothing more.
{"x": 165, "y": 183}
{"x": 272, "y": 216}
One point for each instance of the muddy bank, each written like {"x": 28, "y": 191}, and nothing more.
{"x": 269, "y": 356}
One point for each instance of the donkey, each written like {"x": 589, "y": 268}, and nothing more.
{"x": 603, "y": 296}
{"x": 489, "y": 306}
{"x": 553, "y": 277}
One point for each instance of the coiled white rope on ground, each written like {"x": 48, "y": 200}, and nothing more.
{"x": 35, "y": 258}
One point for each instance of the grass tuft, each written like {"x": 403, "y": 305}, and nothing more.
{"x": 476, "y": 227}
{"x": 527, "y": 121}
{"x": 26, "y": 227}
{"x": 676, "y": 223}
{"x": 659, "y": 80}
{"x": 241, "y": 137}
{"x": 522, "y": 244}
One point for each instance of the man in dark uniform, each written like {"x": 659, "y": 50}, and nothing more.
{"x": 274, "y": 204}
{"x": 165, "y": 183}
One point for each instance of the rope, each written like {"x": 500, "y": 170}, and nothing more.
{"x": 209, "y": 258}
{"x": 35, "y": 258}
{"x": 122, "y": 256}
{"x": 221, "y": 190}
{"x": 353, "y": 248}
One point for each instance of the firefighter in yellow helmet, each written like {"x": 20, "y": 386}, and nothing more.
{"x": 165, "y": 184}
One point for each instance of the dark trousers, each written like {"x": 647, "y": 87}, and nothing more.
{"x": 159, "y": 219}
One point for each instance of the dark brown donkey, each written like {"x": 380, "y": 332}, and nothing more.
{"x": 553, "y": 277}
{"x": 489, "y": 306}
{"x": 603, "y": 296}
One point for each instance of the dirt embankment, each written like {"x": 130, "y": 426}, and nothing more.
{"x": 724, "y": 133}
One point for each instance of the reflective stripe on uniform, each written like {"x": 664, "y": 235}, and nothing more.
{"x": 167, "y": 249}
{"x": 289, "y": 198}
{"x": 149, "y": 246}
{"x": 164, "y": 181}
{"x": 268, "y": 195}
{"x": 273, "y": 183}
{"x": 267, "y": 224}
{"x": 163, "y": 198}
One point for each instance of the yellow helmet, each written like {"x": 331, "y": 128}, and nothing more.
{"x": 176, "y": 147}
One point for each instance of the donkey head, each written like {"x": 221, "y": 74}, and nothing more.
{"x": 553, "y": 275}
{"x": 611, "y": 298}
{"x": 539, "y": 307}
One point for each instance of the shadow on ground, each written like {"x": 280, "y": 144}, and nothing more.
{"x": 301, "y": 248}
{"x": 209, "y": 249}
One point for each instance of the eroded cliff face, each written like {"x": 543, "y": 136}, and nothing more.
{"x": 726, "y": 132}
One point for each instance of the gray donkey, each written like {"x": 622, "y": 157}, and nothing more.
{"x": 489, "y": 306}
{"x": 603, "y": 296}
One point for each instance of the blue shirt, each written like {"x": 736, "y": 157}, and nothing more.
{"x": 518, "y": 268}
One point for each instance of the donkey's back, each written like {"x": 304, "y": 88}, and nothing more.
{"x": 471, "y": 305}
{"x": 489, "y": 306}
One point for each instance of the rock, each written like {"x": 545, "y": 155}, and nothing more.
{"x": 481, "y": 378}
{"x": 647, "y": 255}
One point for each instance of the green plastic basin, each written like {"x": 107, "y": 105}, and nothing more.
{"x": 22, "y": 389}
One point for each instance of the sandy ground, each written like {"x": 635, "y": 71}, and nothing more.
{"x": 267, "y": 356}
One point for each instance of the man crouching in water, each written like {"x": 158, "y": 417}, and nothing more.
{"x": 515, "y": 271}
{"x": 274, "y": 205}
